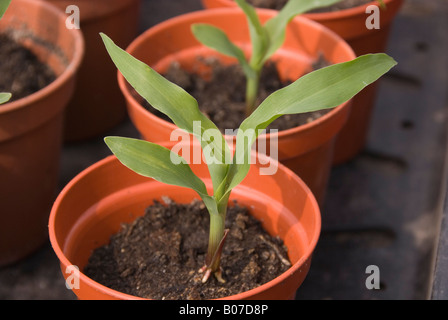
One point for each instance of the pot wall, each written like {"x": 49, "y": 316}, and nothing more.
{"x": 31, "y": 129}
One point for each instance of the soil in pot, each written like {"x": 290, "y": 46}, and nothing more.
{"x": 221, "y": 93}
{"x": 279, "y": 4}
{"x": 158, "y": 255}
{"x": 21, "y": 71}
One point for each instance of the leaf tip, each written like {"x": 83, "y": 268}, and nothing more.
{"x": 194, "y": 26}
{"x": 106, "y": 40}
{"x": 110, "y": 141}
{"x": 103, "y": 36}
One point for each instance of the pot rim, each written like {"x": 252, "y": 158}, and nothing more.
{"x": 332, "y": 15}
{"x": 192, "y": 15}
{"x": 340, "y": 14}
{"x": 68, "y": 72}
{"x": 305, "y": 258}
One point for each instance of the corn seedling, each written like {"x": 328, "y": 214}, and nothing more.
{"x": 321, "y": 89}
{"x": 265, "y": 40}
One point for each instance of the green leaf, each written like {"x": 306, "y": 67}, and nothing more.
{"x": 258, "y": 34}
{"x": 177, "y": 104}
{"x": 277, "y": 25}
{"x": 154, "y": 161}
{"x": 4, "y": 97}
{"x": 265, "y": 39}
{"x": 216, "y": 39}
{"x": 322, "y": 89}
{"x": 3, "y": 6}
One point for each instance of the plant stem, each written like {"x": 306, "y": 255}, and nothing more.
{"x": 217, "y": 237}
{"x": 217, "y": 230}
{"x": 252, "y": 84}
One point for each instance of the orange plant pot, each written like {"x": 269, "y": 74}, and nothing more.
{"x": 307, "y": 149}
{"x": 350, "y": 24}
{"x": 31, "y": 128}
{"x": 98, "y": 104}
{"x": 95, "y": 203}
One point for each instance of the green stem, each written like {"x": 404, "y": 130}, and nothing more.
{"x": 252, "y": 84}
{"x": 217, "y": 227}
{"x": 217, "y": 232}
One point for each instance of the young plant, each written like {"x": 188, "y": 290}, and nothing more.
{"x": 4, "y": 97}
{"x": 265, "y": 40}
{"x": 321, "y": 89}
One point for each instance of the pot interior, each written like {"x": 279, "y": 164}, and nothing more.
{"x": 43, "y": 32}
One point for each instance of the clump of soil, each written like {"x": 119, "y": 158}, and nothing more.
{"x": 279, "y": 4}
{"x": 158, "y": 255}
{"x": 221, "y": 95}
{"x": 21, "y": 71}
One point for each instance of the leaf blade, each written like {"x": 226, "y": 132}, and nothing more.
{"x": 176, "y": 103}
{"x": 258, "y": 34}
{"x": 4, "y": 97}
{"x": 154, "y": 161}
{"x": 322, "y": 89}
{"x": 216, "y": 39}
{"x": 276, "y": 26}
{"x": 4, "y": 4}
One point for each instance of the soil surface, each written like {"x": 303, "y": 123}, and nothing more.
{"x": 158, "y": 255}
{"x": 21, "y": 71}
{"x": 221, "y": 96}
{"x": 279, "y": 4}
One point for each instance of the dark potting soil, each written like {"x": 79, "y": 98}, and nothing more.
{"x": 21, "y": 71}
{"x": 279, "y": 4}
{"x": 158, "y": 255}
{"x": 221, "y": 96}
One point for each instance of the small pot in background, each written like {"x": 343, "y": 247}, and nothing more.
{"x": 97, "y": 104}
{"x": 31, "y": 128}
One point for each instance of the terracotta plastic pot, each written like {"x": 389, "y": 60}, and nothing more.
{"x": 308, "y": 149}
{"x": 350, "y": 24}
{"x": 95, "y": 203}
{"x": 31, "y": 128}
{"x": 98, "y": 104}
